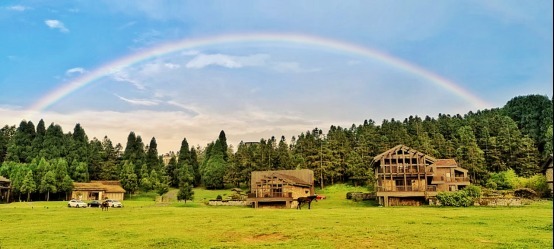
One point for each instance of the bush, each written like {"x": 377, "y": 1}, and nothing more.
{"x": 219, "y": 198}
{"x": 463, "y": 198}
{"x": 455, "y": 199}
{"x": 472, "y": 191}
{"x": 350, "y": 194}
{"x": 505, "y": 180}
{"x": 491, "y": 184}
{"x": 539, "y": 185}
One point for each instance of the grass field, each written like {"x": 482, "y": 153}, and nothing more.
{"x": 331, "y": 223}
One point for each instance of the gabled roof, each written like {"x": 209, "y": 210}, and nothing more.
{"x": 406, "y": 150}
{"x": 290, "y": 179}
{"x": 445, "y": 163}
{"x": 98, "y": 186}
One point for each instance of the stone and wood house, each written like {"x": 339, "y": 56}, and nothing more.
{"x": 5, "y": 189}
{"x": 405, "y": 176}
{"x": 280, "y": 188}
{"x": 97, "y": 190}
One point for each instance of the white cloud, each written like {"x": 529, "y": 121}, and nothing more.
{"x": 286, "y": 67}
{"x": 188, "y": 109}
{"x": 17, "y": 8}
{"x": 122, "y": 76}
{"x": 228, "y": 61}
{"x": 55, "y": 24}
{"x": 144, "y": 102}
{"x": 75, "y": 70}
{"x": 204, "y": 60}
{"x": 171, "y": 65}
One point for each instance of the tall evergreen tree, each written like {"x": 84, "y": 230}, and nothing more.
{"x": 54, "y": 145}
{"x": 6, "y": 134}
{"x": 533, "y": 115}
{"x": 128, "y": 178}
{"x": 152, "y": 156}
{"x": 28, "y": 185}
{"x": 469, "y": 155}
{"x": 48, "y": 184}
{"x": 20, "y": 147}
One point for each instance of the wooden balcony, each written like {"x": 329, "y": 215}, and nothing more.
{"x": 444, "y": 179}
{"x": 270, "y": 195}
{"x": 400, "y": 169}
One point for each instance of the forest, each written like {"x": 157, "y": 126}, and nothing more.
{"x": 42, "y": 162}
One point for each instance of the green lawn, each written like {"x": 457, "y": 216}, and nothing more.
{"x": 331, "y": 223}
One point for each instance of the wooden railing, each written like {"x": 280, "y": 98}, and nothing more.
{"x": 402, "y": 169}
{"x": 270, "y": 195}
{"x": 451, "y": 179}
{"x": 431, "y": 188}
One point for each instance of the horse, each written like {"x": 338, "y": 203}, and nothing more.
{"x": 307, "y": 199}
{"x": 105, "y": 205}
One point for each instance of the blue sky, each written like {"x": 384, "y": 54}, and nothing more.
{"x": 495, "y": 50}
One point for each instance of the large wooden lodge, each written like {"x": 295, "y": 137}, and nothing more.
{"x": 405, "y": 176}
{"x": 280, "y": 188}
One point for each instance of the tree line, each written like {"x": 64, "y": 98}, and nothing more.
{"x": 42, "y": 161}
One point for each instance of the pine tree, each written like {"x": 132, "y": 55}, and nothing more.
{"x": 20, "y": 147}
{"x": 128, "y": 178}
{"x": 6, "y": 135}
{"x": 48, "y": 184}
{"x": 28, "y": 185}
{"x": 185, "y": 192}
{"x": 469, "y": 155}
{"x": 152, "y": 155}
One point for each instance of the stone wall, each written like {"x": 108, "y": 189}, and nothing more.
{"x": 495, "y": 201}
{"x": 490, "y": 201}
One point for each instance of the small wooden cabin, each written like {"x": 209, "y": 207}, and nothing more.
{"x": 280, "y": 188}
{"x": 548, "y": 171}
{"x": 405, "y": 176}
{"x": 98, "y": 190}
{"x": 5, "y": 189}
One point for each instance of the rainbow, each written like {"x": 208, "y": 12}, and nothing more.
{"x": 313, "y": 41}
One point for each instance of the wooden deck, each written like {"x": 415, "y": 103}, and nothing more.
{"x": 257, "y": 200}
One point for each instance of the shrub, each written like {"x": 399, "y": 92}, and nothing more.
{"x": 505, "y": 179}
{"x": 455, "y": 199}
{"x": 491, "y": 184}
{"x": 219, "y": 198}
{"x": 472, "y": 191}
{"x": 463, "y": 198}
{"x": 539, "y": 185}
{"x": 350, "y": 194}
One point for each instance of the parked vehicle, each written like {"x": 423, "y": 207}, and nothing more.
{"x": 94, "y": 203}
{"x": 114, "y": 203}
{"x": 76, "y": 203}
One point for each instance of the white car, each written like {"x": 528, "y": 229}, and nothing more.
{"x": 114, "y": 203}
{"x": 76, "y": 203}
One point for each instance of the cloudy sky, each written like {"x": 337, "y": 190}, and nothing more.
{"x": 256, "y": 69}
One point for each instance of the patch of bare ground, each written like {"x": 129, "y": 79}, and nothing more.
{"x": 266, "y": 237}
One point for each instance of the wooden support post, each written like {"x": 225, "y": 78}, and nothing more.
{"x": 404, "y": 170}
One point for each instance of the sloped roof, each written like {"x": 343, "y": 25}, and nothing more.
{"x": 302, "y": 177}
{"x": 98, "y": 186}
{"x": 112, "y": 188}
{"x": 406, "y": 150}
{"x": 445, "y": 163}
{"x": 290, "y": 179}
